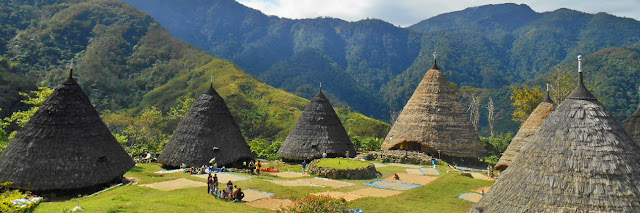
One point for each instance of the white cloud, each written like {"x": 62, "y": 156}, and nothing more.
{"x": 408, "y": 12}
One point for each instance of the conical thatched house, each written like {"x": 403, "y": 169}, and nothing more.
{"x": 435, "y": 120}
{"x": 632, "y": 126}
{"x": 318, "y": 131}
{"x": 529, "y": 127}
{"x": 580, "y": 160}
{"x": 207, "y": 131}
{"x": 65, "y": 146}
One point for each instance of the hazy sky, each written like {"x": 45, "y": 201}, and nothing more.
{"x": 408, "y": 12}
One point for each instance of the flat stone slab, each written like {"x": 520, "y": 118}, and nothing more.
{"x": 406, "y": 165}
{"x": 335, "y": 194}
{"x": 289, "y": 174}
{"x": 375, "y": 192}
{"x": 253, "y": 195}
{"x": 170, "y": 185}
{"x": 271, "y": 203}
{"x": 412, "y": 179}
{"x": 414, "y": 171}
{"x": 299, "y": 182}
{"x": 470, "y": 196}
{"x": 328, "y": 182}
{"x": 481, "y": 176}
{"x": 400, "y": 186}
{"x": 169, "y": 171}
{"x": 430, "y": 171}
{"x": 378, "y": 165}
{"x": 223, "y": 178}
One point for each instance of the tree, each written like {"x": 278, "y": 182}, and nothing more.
{"x": 525, "y": 100}
{"x": 562, "y": 82}
{"x": 3, "y": 135}
{"x": 491, "y": 115}
{"x": 474, "y": 97}
{"x": 184, "y": 105}
{"x": 22, "y": 117}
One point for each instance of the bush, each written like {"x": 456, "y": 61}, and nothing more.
{"x": 314, "y": 204}
{"x": 265, "y": 149}
{"x": 7, "y": 195}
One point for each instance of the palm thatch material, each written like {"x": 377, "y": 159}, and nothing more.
{"x": 318, "y": 131}
{"x": 65, "y": 146}
{"x": 632, "y": 126}
{"x": 529, "y": 127}
{"x": 434, "y": 120}
{"x": 580, "y": 160}
{"x": 207, "y": 131}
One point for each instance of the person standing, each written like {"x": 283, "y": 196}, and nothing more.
{"x": 251, "y": 167}
{"x": 209, "y": 184}
{"x": 258, "y": 166}
{"x": 215, "y": 182}
{"x": 304, "y": 166}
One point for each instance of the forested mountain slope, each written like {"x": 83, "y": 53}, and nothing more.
{"x": 490, "y": 46}
{"x": 127, "y": 61}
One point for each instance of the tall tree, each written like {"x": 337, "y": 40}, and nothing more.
{"x": 525, "y": 100}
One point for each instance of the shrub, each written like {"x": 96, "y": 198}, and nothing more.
{"x": 314, "y": 204}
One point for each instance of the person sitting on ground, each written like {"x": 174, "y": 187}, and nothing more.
{"x": 395, "y": 176}
{"x": 234, "y": 195}
{"x": 183, "y": 166}
{"x": 229, "y": 189}
{"x": 224, "y": 194}
{"x": 239, "y": 195}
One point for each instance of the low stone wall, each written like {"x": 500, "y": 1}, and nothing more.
{"x": 396, "y": 156}
{"x": 359, "y": 173}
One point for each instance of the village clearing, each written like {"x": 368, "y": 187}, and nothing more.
{"x": 419, "y": 188}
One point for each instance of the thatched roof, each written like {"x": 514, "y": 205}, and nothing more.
{"x": 318, "y": 131}
{"x": 580, "y": 160}
{"x": 435, "y": 119}
{"x": 632, "y": 125}
{"x": 528, "y": 128}
{"x": 207, "y": 131}
{"x": 64, "y": 146}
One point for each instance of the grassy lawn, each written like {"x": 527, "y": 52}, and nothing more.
{"x": 341, "y": 163}
{"x": 438, "y": 196}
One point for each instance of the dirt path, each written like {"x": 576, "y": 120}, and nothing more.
{"x": 412, "y": 179}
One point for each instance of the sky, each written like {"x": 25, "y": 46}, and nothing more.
{"x": 407, "y": 12}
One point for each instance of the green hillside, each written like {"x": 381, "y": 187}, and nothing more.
{"x": 127, "y": 63}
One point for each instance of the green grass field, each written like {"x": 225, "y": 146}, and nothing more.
{"x": 438, "y": 196}
{"x": 341, "y": 163}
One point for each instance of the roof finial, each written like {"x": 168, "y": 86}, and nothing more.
{"x": 211, "y": 81}
{"x": 435, "y": 63}
{"x": 547, "y": 98}
{"x": 580, "y": 63}
{"x": 547, "y": 87}
{"x": 320, "y": 86}
{"x": 71, "y": 69}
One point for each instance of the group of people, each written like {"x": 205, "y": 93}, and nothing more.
{"x": 230, "y": 192}
{"x": 254, "y": 167}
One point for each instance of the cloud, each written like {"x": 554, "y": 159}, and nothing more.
{"x": 408, "y": 12}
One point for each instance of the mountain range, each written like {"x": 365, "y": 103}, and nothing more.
{"x": 130, "y": 60}
{"x": 374, "y": 66}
